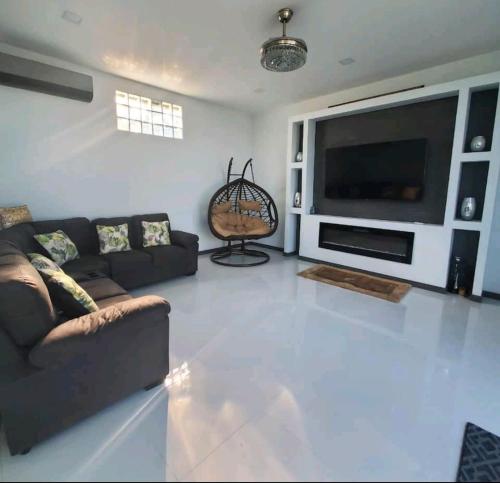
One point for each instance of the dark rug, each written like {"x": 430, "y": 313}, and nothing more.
{"x": 480, "y": 460}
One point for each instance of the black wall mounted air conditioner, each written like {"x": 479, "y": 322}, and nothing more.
{"x": 35, "y": 76}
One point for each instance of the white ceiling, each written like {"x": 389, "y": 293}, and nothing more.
{"x": 210, "y": 48}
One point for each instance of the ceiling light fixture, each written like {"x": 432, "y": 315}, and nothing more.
{"x": 72, "y": 17}
{"x": 283, "y": 54}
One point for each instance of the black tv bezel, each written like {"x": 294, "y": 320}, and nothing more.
{"x": 383, "y": 200}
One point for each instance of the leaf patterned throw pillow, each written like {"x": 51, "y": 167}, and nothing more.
{"x": 43, "y": 264}
{"x": 113, "y": 239}
{"x": 59, "y": 246}
{"x": 68, "y": 296}
{"x": 156, "y": 233}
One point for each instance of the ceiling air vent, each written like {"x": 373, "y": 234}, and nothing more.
{"x": 38, "y": 77}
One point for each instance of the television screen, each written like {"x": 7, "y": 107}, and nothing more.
{"x": 383, "y": 171}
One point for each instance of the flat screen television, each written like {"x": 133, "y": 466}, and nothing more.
{"x": 392, "y": 170}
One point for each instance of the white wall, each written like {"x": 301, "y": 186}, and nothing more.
{"x": 270, "y": 135}
{"x": 492, "y": 275}
{"x": 65, "y": 158}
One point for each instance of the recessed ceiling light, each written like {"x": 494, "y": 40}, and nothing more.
{"x": 347, "y": 61}
{"x": 72, "y": 17}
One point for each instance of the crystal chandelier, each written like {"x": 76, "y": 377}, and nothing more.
{"x": 283, "y": 54}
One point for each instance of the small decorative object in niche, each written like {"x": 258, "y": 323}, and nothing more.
{"x": 297, "y": 200}
{"x": 468, "y": 208}
{"x": 299, "y": 158}
{"x": 478, "y": 143}
{"x": 457, "y": 275}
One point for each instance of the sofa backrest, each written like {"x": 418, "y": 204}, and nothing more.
{"x": 137, "y": 229}
{"x": 82, "y": 232}
{"x": 21, "y": 236}
{"x": 79, "y": 231}
{"x": 134, "y": 225}
{"x": 26, "y": 311}
{"x": 118, "y": 220}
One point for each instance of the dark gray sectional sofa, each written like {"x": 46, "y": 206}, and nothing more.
{"x": 55, "y": 372}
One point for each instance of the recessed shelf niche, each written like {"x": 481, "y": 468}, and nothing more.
{"x": 473, "y": 181}
{"x": 481, "y": 119}
{"x": 298, "y": 144}
{"x": 465, "y": 245}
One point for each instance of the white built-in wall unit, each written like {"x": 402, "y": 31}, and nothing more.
{"x": 434, "y": 244}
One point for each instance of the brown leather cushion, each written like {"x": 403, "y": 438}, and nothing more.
{"x": 233, "y": 224}
{"x": 221, "y": 208}
{"x": 249, "y": 205}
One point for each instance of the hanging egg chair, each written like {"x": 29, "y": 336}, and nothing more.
{"x": 241, "y": 211}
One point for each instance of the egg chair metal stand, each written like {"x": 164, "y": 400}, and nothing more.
{"x": 239, "y": 212}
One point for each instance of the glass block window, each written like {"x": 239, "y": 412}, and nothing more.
{"x": 143, "y": 115}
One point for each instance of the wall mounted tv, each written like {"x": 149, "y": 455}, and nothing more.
{"x": 380, "y": 171}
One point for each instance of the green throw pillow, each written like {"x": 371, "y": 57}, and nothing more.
{"x": 68, "y": 296}
{"x": 59, "y": 246}
{"x": 113, "y": 239}
{"x": 156, "y": 233}
{"x": 43, "y": 264}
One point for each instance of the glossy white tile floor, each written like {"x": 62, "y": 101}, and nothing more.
{"x": 283, "y": 378}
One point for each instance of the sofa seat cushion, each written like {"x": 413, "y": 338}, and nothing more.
{"x": 26, "y": 311}
{"x": 87, "y": 264}
{"x": 102, "y": 288}
{"x": 167, "y": 256}
{"x": 128, "y": 261}
{"x": 105, "y": 303}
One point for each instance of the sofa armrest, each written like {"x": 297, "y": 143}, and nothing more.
{"x": 92, "y": 335}
{"x": 184, "y": 239}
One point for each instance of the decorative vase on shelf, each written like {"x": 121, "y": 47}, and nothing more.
{"x": 298, "y": 158}
{"x": 297, "y": 200}
{"x": 478, "y": 143}
{"x": 468, "y": 208}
